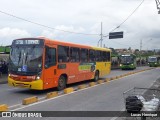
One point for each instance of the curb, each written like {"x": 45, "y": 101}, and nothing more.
{"x": 3, "y": 107}
{"x": 29, "y": 100}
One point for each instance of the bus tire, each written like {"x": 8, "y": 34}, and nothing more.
{"x": 61, "y": 83}
{"x": 96, "y": 76}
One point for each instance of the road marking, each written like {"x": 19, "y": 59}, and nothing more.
{"x": 21, "y": 104}
{"x": 9, "y": 89}
{"x": 14, "y": 105}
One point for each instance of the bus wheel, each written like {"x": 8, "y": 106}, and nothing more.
{"x": 96, "y": 76}
{"x": 61, "y": 83}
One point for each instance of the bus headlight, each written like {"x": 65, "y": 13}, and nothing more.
{"x": 132, "y": 64}
{"x": 37, "y": 78}
{"x": 155, "y": 63}
{"x": 120, "y": 65}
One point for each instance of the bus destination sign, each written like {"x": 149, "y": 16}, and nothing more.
{"x": 26, "y": 42}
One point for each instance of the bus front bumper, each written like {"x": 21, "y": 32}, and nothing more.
{"x": 127, "y": 67}
{"x": 153, "y": 64}
{"x": 36, "y": 85}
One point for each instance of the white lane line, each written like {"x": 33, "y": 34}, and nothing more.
{"x": 9, "y": 89}
{"x": 21, "y": 104}
{"x": 12, "y": 89}
{"x": 14, "y": 105}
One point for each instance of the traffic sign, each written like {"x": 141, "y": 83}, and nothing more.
{"x": 115, "y": 35}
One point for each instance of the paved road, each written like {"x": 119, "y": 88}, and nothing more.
{"x": 13, "y": 96}
{"x": 104, "y": 97}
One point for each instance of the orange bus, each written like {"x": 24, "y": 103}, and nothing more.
{"x": 41, "y": 63}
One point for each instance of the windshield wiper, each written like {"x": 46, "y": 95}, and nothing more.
{"x": 19, "y": 57}
{"x": 26, "y": 56}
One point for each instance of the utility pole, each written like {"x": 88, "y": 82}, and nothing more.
{"x": 101, "y": 36}
{"x": 140, "y": 50}
{"x": 140, "y": 45}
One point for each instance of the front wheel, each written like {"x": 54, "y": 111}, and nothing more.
{"x": 96, "y": 76}
{"x": 61, "y": 83}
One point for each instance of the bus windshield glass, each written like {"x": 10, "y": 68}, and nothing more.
{"x": 126, "y": 59}
{"x": 152, "y": 59}
{"x": 26, "y": 59}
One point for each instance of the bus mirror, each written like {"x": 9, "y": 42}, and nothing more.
{"x": 46, "y": 65}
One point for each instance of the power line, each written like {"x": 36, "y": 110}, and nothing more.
{"x": 126, "y": 19}
{"x": 129, "y": 15}
{"x": 20, "y": 18}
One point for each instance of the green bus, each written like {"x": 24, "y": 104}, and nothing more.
{"x": 127, "y": 61}
{"x": 154, "y": 61}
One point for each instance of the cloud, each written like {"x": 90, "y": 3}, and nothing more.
{"x": 62, "y": 35}
{"x": 7, "y": 34}
{"x": 85, "y": 16}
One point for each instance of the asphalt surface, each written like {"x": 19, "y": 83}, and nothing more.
{"x": 103, "y": 97}
{"x": 3, "y": 79}
{"x": 13, "y": 96}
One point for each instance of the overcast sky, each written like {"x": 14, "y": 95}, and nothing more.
{"x": 83, "y": 16}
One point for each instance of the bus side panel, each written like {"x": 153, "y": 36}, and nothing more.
{"x": 86, "y": 71}
{"x": 103, "y": 67}
{"x": 78, "y": 72}
{"x": 64, "y": 69}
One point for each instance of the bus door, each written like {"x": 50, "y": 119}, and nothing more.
{"x": 106, "y": 63}
{"x": 49, "y": 76}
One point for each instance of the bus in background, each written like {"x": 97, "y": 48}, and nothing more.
{"x": 127, "y": 61}
{"x": 41, "y": 63}
{"x": 154, "y": 61}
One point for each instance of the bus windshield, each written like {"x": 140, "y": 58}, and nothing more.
{"x": 25, "y": 60}
{"x": 152, "y": 59}
{"x": 127, "y": 59}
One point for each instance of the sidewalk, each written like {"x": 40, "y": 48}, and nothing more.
{"x": 3, "y": 79}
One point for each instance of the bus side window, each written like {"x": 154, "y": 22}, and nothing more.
{"x": 92, "y": 56}
{"x": 84, "y": 55}
{"x": 63, "y": 54}
{"x": 108, "y": 56}
{"x": 50, "y": 57}
{"x": 74, "y": 54}
{"x": 99, "y": 56}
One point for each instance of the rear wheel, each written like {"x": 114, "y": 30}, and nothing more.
{"x": 61, "y": 83}
{"x": 96, "y": 76}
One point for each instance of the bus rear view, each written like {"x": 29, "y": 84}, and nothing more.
{"x": 25, "y": 64}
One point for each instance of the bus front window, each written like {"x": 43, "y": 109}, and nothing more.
{"x": 25, "y": 60}
{"x": 126, "y": 59}
{"x": 152, "y": 59}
